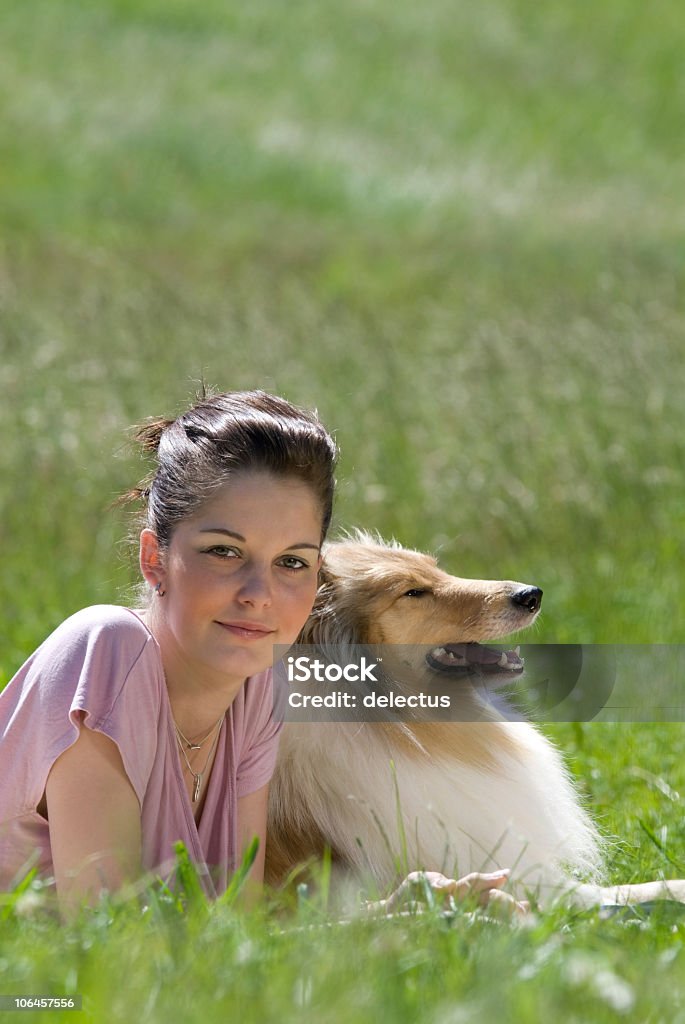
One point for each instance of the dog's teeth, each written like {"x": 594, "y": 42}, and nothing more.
{"x": 439, "y": 651}
{"x": 503, "y": 661}
{"x": 517, "y": 651}
{"x": 451, "y": 656}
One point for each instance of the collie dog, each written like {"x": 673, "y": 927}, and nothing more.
{"x": 478, "y": 794}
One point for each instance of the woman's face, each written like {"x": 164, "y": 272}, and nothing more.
{"x": 238, "y": 577}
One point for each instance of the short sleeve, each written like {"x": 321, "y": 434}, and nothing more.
{"x": 99, "y": 668}
{"x": 130, "y": 675}
{"x": 261, "y": 735}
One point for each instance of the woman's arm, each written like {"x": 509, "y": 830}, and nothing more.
{"x": 94, "y": 819}
{"x": 251, "y": 823}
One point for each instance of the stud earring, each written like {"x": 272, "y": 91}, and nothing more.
{"x": 159, "y": 591}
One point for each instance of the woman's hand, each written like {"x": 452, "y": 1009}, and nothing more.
{"x": 485, "y": 889}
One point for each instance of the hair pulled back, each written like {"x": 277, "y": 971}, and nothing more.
{"x": 223, "y": 434}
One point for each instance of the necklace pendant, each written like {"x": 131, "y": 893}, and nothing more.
{"x": 198, "y": 784}
{"x": 194, "y": 746}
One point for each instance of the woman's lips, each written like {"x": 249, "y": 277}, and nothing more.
{"x": 249, "y": 631}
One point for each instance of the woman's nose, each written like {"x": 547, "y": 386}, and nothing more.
{"x": 255, "y": 587}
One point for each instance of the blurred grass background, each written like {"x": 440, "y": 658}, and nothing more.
{"x": 457, "y": 230}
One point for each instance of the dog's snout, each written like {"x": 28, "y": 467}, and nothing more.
{"x": 529, "y": 598}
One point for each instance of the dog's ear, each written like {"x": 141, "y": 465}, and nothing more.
{"x": 338, "y": 613}
{"x": 325, "y": 575}
{"x": 313, "y": 630}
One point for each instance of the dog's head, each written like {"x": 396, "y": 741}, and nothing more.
{"x": 373, "y": 592}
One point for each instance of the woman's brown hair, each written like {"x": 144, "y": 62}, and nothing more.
{"x": 223, "y": 434}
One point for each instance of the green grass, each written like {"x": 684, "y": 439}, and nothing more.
{"x": 169, "y": 965}
{"x": 458, "y": 231}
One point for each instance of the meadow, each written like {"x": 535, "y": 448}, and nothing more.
{"x": 457, "y": 231}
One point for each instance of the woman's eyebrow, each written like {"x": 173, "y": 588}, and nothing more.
{"x": 239, "y": 536}
{"x": 221, "y": 529}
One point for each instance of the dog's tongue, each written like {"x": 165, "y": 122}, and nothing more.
{"x": 460, "y": 657}
{"x": 475, "y": 654}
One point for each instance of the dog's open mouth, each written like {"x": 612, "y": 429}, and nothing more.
{"x": 473, "y": 658}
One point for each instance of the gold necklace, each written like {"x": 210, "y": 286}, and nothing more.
{"x": 197, "y": 776}
{"x": 196, "y": 746}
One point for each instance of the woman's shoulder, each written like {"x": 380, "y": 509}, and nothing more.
{"x": 97, "y": 637}
{"x": 102, "y": 621}
{"x": 107, "y": 616}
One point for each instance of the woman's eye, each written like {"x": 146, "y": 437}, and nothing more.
{"x": 292, "y": 562}
{"x": 222, "y": 551}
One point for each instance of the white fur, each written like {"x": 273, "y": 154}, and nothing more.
{"x": 384, "y": 803}
{"x": 455, "y": 817}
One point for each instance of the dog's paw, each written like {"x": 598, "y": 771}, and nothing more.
{"x": 431, "y": 888}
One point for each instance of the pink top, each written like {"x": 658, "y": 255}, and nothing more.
{"x": 103, "y": 667}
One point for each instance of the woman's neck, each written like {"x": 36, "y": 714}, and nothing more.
{"x": 197, "y": 697}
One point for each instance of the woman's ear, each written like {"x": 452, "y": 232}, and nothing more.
{"x": 151, "y": 561}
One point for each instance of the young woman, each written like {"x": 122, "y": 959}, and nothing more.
{"x": 176, "y": 698}
{"x": 131, "y": 729}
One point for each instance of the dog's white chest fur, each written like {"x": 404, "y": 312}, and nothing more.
{"x": 376, "y": 805}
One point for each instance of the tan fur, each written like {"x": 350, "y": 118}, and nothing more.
{"x": 361, "y": 601}
{"x": 331, "y": 787}
{"x": 363, "y": 581}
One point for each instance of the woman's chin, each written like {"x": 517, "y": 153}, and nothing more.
{"x": 244, "y": 664}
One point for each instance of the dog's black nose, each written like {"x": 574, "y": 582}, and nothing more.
{"x": 529, "y": 598}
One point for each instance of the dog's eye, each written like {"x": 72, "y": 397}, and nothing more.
{"x": 416, "y": 592}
